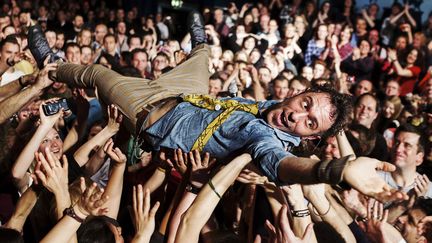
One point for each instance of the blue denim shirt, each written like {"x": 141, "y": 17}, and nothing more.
{"x": 241, "y": 132}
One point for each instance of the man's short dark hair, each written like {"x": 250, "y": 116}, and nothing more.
{"x": 343, "y": 109}
{"x": 9, "y": 39}
{"x": 162, "y": 54}
{"x": 96, "y": 229}
{"x": 406, "y": 127}
{"x": 108, "y": 36}
{"x": 134, "y": 36}
{"x": 72, "y": 45}
{"x": 215, "y": 76}
{"x": 138, "y": 50}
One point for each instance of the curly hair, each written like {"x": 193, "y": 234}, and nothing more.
{"x": 343, "y": 108}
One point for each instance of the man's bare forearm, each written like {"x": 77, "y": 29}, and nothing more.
{"x": 14, "y": 103}
{"x": 9, "y": 89}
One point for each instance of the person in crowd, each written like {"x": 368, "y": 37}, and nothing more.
{"x": 256, "y": 129}
{"x": 406, "y": 75}
{"x": 316, "y": 45}
{"x": 366, "y": 110}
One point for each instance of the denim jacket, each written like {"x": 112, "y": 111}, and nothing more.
{"x": 242, "y": 132}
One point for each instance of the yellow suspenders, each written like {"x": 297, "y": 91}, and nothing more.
{"x": 210, "y": 103}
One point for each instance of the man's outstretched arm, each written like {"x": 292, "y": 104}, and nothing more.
{"x": 14, "y": 103}
{"x": 360, "y": 173}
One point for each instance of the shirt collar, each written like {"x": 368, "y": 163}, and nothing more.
{"x": 262, "y": 106}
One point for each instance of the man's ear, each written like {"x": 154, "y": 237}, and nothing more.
{"x": 419, "y": 158}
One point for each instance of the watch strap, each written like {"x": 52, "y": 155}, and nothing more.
{"x": 192, "y": 189}
{"x": 71, "y": 213}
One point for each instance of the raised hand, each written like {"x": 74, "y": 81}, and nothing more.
{"x": 351, "y": 200}
{"x": 422, "y": 184}
{"x": 376, "y": 226}
{"x": 50, "y": 172}
{"x": 114, "y": 118}
{"x": 115, "y": 154}
{"x": 43, "y": 80}
{"x": 250, "y": 176}
{"x": 49, "y": 120}
{"x": 144, "y": 217}
{"x": 180, "y": 162}
{"x": 392, "y": 55}
{"x": 91, "y": 200}
{"x": 199, "y": 168}
{"x": 282, "y": 232}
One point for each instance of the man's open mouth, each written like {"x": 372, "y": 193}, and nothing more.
{"x": 284, "y": 119}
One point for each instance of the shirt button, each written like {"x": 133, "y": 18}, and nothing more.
{"x": 217, "y": 107}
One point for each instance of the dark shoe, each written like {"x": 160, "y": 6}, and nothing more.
{"x": 38, "y": 46}
{"x": 195, "y": 24}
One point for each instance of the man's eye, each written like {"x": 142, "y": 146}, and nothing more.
{"x": 309, "y": 123}
{"x": 305, "y": 104}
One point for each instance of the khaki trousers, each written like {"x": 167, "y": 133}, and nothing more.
{"x": 132, "y": 94}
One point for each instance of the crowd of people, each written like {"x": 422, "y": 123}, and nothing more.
{"x": 82, "y": 173}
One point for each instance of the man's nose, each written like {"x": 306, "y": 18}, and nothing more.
{"x": 299, "y": 115}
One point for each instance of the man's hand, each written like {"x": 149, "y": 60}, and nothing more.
{"x": 376, "y": 226}
{"x": 91, "y": 200}
{"x": 115, "y": 154}
{"x": 251, "y": 175}
{"x": 114, "y": 118}
{"x": 391, "y": 55}
{"x": 422, "y": 184}
{"x": 144, "y": 217}
{"x": 199, "y": 168}
{"x": 370, "y": 183}
{"x": 282, "y": 232}
{"x": 53, "y": 175}
{"x": 351, "y": 200}
{"x": 49, "y": 120}
{"x": 42, "y": 80}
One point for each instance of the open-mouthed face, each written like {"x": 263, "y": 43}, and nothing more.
{"x": 306, "y": 114}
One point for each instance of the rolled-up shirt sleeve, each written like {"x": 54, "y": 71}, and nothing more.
{"x": 267, "y": 153}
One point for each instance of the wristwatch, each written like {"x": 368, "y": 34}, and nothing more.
{"x": 192, "y": 189}
{"x": 71, "y": 213}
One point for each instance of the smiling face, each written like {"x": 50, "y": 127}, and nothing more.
{"x": 389, "y": 109}
{"x": 364, "y": 86}
{"x": 412, "y": 57}
{"x": 405, "y": 152}
{"x": 52, "y": 141}
{"x": 365, "y": 111}
{"x": 392, "y": 88}
{"x": 306, "y": 114}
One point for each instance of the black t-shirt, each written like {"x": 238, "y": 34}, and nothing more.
{"x": 74, "y": 169}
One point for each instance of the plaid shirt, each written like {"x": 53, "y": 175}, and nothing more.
{"x": 312, "y": 52}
